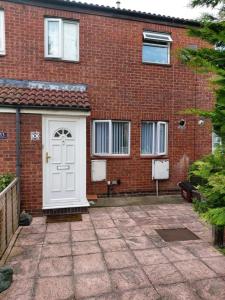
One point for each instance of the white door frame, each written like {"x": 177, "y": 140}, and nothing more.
{"x": 80, "y": 157}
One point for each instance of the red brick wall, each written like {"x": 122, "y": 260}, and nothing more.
{"x": 8, "y": 146}
{"x": 120, "y": 87}
{"x": 31, "y": 164}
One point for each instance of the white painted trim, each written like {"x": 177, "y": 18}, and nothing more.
{"x": 110, "y": 154}
{"x": 55, "y": 112}
{"x": 80, "y": 158}
{"x": 61, "y": 23}
{"x": 71, "y": 206}
{"x": 2, "y": 21}
{"x": 7, "y": 110}
{"x": 165, "y": 140}
{"x": 156, "y": 132}
{"x": 46, "y": 112}
{"x": 168, "y": 46}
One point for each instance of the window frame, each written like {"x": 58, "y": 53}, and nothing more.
{"x": 156, "y": 144}
{"x": 110, "y": 138}
{"x": 2, "y": 20}
{"x": 61, "y": 39}
{"x": 214, "y": 136}
{"x": 161, "y": 44}
{"x": 156, "y": 46}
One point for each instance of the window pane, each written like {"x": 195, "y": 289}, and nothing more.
{"x": 2, "y": 33}
{"x": 53, "y": 38}
{"x": 216, "y": 141}
{"x": 155, "y": 54}
{"x": 162, "y": 138}
{"x": 120, "y": 137}
{"x": 101, "y": 137}
{"x": 70, "y": 33}
{"x": 147, "y": 138}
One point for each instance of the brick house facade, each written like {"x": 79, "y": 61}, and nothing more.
{"x": 119, "y": 87}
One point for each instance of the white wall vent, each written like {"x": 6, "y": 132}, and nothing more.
{"x": 98, "y": 170}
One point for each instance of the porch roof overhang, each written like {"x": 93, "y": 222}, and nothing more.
{"x": 43, "y": 95}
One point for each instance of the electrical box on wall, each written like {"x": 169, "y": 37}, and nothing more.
{"x": 160, "y": 169}
{"x": 98, "y": 170}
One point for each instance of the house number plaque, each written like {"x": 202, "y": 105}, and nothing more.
{"x": 35, "y": 136}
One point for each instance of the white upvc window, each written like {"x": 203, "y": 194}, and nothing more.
{"x": 111, "y": 137}
{"x": 154, "y": 138}
{"x": 2, "y": 32}
{"x": 156, "y": 47}
{"x": 216, "y": 141}
{"x": 62, "y": 39}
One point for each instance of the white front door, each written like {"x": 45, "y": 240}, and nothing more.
{"x": 64, "y": 162}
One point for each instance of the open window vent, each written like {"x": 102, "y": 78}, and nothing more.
{"x": 155, "y": 36}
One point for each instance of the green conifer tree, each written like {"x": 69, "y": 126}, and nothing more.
{"x": 211, "y": 59}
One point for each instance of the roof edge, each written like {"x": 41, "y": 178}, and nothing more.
{"x": 45, "y": 107}
{"x": 110, "y": 12}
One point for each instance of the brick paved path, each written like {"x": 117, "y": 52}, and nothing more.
{"x": 115, "y": 253}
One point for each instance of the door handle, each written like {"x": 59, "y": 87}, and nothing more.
{"x": 47, "y": 157}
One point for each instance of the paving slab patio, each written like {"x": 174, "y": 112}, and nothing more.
{"x": 116, "y": 253}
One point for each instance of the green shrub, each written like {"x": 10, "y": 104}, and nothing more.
{"x": 200, "y": 206}
{"x": 215, "y": 216}
{"x": 210, "y": 172}
{"x": 5, "y": 180}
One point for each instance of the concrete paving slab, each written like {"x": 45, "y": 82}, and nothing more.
{"x": 90, "y": 263}
{"x": 108, "y": 256}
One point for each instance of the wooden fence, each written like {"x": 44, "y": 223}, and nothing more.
{"x": 9, "y": 214}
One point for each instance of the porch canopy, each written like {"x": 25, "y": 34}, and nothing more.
{"x": 47, "y": 95}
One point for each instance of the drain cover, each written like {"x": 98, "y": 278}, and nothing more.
{"x": 177, "y": 234}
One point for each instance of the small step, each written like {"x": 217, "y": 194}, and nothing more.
{"x": 92, "y": 198}
{"x": 65, "y": 211}
{"x": 64, "y": 218}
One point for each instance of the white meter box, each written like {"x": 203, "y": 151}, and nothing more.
{"x": 98, "y": 170}
{"x": 160, "y": 169}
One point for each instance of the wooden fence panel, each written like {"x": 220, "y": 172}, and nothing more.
{"x": 9, "y": 214}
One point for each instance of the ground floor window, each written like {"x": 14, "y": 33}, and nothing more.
{"x": 216, "y": 141}
{"x": 154, "y": 137}
{"x": 111, "y": 137}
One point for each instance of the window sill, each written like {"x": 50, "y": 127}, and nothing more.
{"x": 62, "y": 60}
{"x": 164, "y": 156}
{"x": 156, "y": 64}
{"x": 110, "y": 156}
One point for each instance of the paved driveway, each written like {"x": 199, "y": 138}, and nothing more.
{"x": 115, "y": 253}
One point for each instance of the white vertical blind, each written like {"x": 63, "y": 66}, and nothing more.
{"x": 111, "y": 137}
{"x": 147, "y": 138}
{"x": 120, "y": 136}
{"x": 2, "y": 32}
{"x": 162, "y": 137}
{"x": 70, "y": 41}
{"x": 153, "y": 138}
{"x": 102, "y": 137}
{"x": 54, "y": 44}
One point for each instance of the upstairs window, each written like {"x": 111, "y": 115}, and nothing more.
{"x": 154, "y": 137}
{"x": 62, "y": 39}
{"x": 111, "y": 137}
{"x": 156, "y": 47}
{"x": 2, "y": 32}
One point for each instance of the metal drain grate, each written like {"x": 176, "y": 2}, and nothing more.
{"x": 177, "y": 234}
